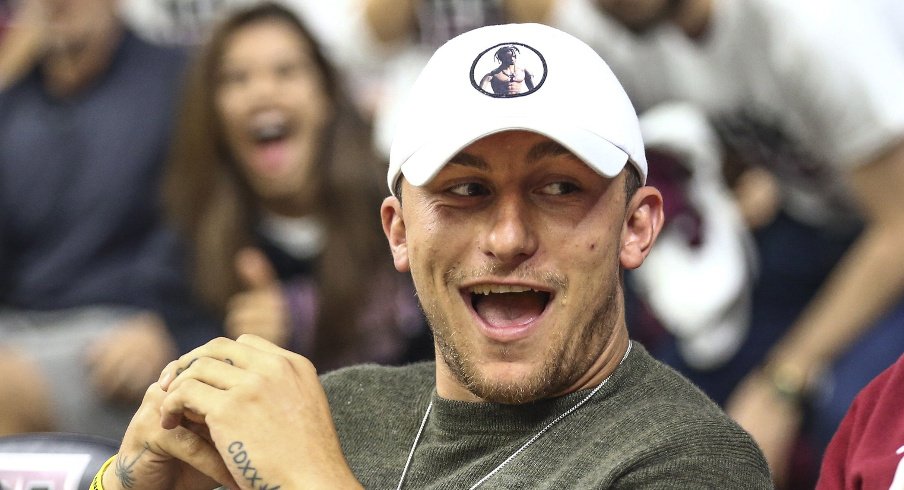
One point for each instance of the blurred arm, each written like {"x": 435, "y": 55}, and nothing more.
{"x": 868, "y": 280}
{"x": 528, "y": 10}
{"x": 390, "y": 20}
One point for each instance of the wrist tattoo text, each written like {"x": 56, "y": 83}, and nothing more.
{"x": 243, "y": 462}
{"x": 124, "y": 468}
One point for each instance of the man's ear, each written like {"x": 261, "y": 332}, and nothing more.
{"x": 394, "y": 228}
{"x": 643, "y": 221}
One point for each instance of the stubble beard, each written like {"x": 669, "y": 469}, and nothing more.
{"x": 564, "y": 362}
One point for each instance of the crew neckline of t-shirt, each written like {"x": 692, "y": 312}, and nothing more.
{"x": 460, "y": 417}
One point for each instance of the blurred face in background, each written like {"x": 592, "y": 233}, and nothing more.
{"x": 638, "y": 15}
{"x": 73, "y": 25}
{"x": 273, "y": 107}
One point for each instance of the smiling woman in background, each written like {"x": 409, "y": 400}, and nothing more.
{"x": 273, "y": 181}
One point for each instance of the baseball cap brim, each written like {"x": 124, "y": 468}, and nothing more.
{"x": 598, "y": 153}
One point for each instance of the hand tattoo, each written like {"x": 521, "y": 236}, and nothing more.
{"x": 180, "y": 370}
{"x": 124, "y": 468}
{"x": 243, "y": 462}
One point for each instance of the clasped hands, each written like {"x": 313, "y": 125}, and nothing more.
{"x": 241, "y": 414}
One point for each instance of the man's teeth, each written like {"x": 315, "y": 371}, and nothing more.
{"x": 499, "y": 288}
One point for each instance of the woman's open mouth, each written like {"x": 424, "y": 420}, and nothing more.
{"x": 270, "y": 132}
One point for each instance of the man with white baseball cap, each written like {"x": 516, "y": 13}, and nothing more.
{"x": 521, "y": 210}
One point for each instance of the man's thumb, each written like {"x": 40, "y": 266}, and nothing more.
{"x": 254, "y": 269}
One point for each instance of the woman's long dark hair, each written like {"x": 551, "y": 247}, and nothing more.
{"x": 210, "y": 202}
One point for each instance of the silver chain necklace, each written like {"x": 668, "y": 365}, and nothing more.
{"x": 530, "y": 441}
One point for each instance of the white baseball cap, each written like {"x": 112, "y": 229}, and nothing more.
{"x": 562, "y": 90}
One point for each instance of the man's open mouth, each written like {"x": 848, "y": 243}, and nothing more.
{"x": 508, "y": 305}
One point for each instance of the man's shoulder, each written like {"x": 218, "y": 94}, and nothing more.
{"x": 667, "y": 422}
{"x": 676, "y": 412}
{"x": 153, "y": 56}
{"x": 655, "y": 397}
{"x": 658, "y": 391}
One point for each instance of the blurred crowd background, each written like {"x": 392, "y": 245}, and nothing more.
{"x": 176, "y": 170}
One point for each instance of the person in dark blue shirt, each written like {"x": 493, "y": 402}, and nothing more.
{"x": 91, "y": 284}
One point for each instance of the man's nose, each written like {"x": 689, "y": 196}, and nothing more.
{"x": 511, "y": 237}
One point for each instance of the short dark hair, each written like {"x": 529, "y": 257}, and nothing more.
{"x": 632, "y": 181}
{"x": 507, "y": 47}
{"x": 397, "y": 188}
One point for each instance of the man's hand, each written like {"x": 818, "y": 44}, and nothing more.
{"x": 264, "y": 410}
{"x": 126, "y": 361}
{"x": 151, "y": 457}
{"x": 261, "y": 309}
{"x": 758, "y": 197}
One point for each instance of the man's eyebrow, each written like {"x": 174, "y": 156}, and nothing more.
{"x": 469, "y": 160}
{"x": 547, "y": 149}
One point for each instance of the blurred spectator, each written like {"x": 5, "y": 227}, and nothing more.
{"x": 91, "y": 289}
{"x": 698, "y": 281}
{"x": 813, "y": 92}
{"x": 868, "y": 449}
{"x": 274, "y": 184}
{"x": 410, "y": 30}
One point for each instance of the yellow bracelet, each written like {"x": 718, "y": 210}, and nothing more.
{"x": 98, "y": 482}
{"x": 790, "y": 382}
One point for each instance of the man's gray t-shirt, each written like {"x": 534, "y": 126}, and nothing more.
{"x": 647, "y": 427}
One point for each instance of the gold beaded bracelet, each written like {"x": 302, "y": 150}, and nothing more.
{"x": 98, "y": 482}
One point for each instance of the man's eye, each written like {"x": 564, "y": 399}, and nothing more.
{"x": 559, "y": 188}
{"x": 468, "y": 189}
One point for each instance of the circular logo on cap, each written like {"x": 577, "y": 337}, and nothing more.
{"x": 508, "y": 70}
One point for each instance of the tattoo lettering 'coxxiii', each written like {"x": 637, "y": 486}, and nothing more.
{"x": 243, "y": 462}
{"x": 124, "y": 468}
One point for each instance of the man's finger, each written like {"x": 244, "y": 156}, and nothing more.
{"x": 220, "y": 348}
{"x": 299, "y": 362}
{"x": 200, "y": 453}
{"x": 194, "y": 397}
{"x": 265, "y": 345}
{"x": 218, "y": 374}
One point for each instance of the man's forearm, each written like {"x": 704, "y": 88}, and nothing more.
{"x": 866, "y": 283}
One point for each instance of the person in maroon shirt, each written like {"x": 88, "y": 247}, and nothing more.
{"x": 867, "y": 451}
